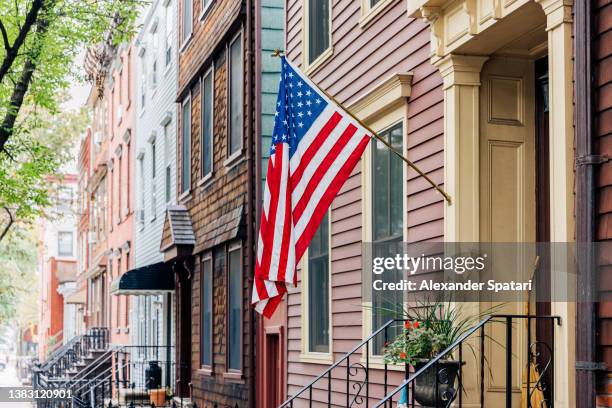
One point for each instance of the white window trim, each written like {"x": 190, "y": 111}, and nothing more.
{"x": 187, "y": 192}
{"x": 205, "y": 9}
{"x": 236, "y": 246}
{"x": 232, "y": 158}
{"x": 369, "y": 12}
{"x": 153, "y": 143}
{"x": 395, "y": 115}
{"x": 309, "y": 67}
{"x": 205, "y": 177}
{"x": 207, "y": 367}
{"x": 307, "y": 356}
{"x": 185, "y": 39}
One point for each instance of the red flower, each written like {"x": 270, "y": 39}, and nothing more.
{"x": 415, "y": 324}
{"x": 386, "y": 344}
{"x": 403, "y": 355}
{"x": 407, "y": 325}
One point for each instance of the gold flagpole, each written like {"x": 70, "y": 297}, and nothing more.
{"x": 278, "y": 53}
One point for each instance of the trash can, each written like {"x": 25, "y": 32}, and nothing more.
{"x": 153, "y": 375}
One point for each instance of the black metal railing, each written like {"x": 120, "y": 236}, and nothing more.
{"x": 362, "y": 378}
{"x": 539, "y": 359}
{"x": 124, "y": 376}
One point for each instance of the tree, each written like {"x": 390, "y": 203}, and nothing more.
{"x": 41, "y": 38}
{"x": 36, "y": 152}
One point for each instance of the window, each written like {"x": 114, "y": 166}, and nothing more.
{"x": 206, "y": 313}
{"x": 205, "y": 6}
{"x": 119, "y": 187}
{"x": 153, "y": 179}
{"x": 65, "y": 243}
{"x": 168, "y": 39}
{"x": 387, "y": 222}
{"x": 234, "y": 301}
{"x": 168, "y": 164}
{"x": 186, "y": 146}
{"x": 236, "y": 96}
{"x": 187, "y": 20}
{"x": 154, "y": 49}
{"x": 207, "y": 123}
{"x": 141, "y": 195}
{"x": 318, "y": 289}
{"x": 318, "y": 33}
{"x": 143, "y": 82}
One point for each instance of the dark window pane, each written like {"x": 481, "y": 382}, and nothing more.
{"x": 236, "y": 79}
{"x": 207, "y": 115}
{"x": 168, "y": 181}
{"x": 186, "y": 147}
{"x": 318, "y": 289}
{"x": 318, "y": 28}
{"x": 207, "y": 290}
{"x": 387, "y": 220}
{"x": 235, "y": 311}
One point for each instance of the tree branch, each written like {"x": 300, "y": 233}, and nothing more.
{"x": 13, "y": 50}
{"x": 7, "y": 44}
{"x": 8, "y": 226}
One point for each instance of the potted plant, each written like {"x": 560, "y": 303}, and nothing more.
{"x": 431, "y": 328}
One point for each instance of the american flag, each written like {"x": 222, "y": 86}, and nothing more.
{"x": 315, "y": 146}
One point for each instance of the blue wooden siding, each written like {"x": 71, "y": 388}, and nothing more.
{"x": 272, "y": 37}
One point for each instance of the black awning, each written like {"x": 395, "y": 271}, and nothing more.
{"x": 150, "y": 279}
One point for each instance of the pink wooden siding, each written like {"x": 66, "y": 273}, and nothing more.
{"x": 363, "y": 57}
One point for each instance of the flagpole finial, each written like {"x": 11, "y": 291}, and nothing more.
{"x": 277, "y": 53}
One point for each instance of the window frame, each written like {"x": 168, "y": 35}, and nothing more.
{"x": 153, "y": 179}
{"x": 168, "y": 42}
{"x": 166, "y": 130}
{"x": 369, "y": 12}
{"x": 204, "y": 177}
{"x": 311, "y": 66}
{"x": 207, "y": 368}
{"x": 307, "y": 356}
{"x": 185, "y": 38}
{"x": 390, "y": 117}
{"x": 233, "y": 373}
{"x": 232, "y": 156}
{"x": 64, "y": 255}
{"x": 185, "y": 191}
{"x": 205, "y": 8}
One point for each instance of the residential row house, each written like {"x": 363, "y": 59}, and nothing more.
{"x": 56, "y": 234}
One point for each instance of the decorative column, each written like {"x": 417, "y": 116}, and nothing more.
{"x": 461, "y": 75}
{"x": 560, "y": 67}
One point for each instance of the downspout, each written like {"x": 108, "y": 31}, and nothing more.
{"x": 586, "y": 257}
{"x": 250, "y": 201}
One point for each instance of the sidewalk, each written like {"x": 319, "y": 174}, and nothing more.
{"x": 8, "y": 378}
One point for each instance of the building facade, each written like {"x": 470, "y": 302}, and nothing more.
{"x": 57, "y": 267}
{"x": 153, "y": 311}
{"x": 469, "y": 92}
{"x": 209, "y": 234}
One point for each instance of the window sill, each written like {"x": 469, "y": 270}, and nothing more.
{"x": 368, "y": 14}
{"x": 186, "y": 43}
{"x": 184, "y": 197}
{"x": 319, "y": 61}
{"x": 206, "y": 371}
{"x": 234, "y": 376}
{"x": 234, "y": 159}
{"x": 205, "y": 181}
{"x": 206, "y": 11}
{"x": 317, "y": 358}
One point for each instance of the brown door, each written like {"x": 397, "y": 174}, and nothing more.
{"x": 273, "y": 387}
